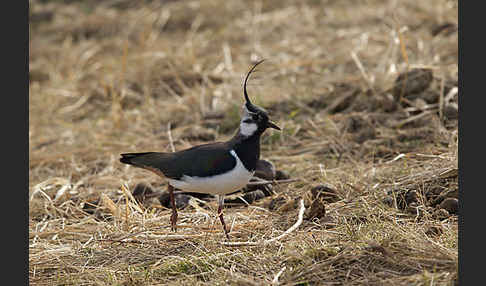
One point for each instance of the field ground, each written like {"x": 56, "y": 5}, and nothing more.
{"x": 366, "y": 95}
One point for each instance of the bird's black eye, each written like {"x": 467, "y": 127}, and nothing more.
{"x": 256, "y": 117}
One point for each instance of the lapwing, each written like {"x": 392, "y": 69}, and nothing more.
{"x": 217, "y": 168}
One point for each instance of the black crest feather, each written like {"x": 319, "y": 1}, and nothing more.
{"x": 250, "y": 105}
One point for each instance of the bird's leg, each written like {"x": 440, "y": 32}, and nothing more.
{"x": 173, "y": 217}
{"x": 220, "y": 214}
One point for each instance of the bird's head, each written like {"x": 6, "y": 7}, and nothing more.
{"x": 255, "y": 119}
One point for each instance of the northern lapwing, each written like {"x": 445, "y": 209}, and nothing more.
{"x": 216, "y": 168}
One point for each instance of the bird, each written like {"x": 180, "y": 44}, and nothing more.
{"x": 217, "y": 168}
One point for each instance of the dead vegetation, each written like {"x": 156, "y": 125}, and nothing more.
{"x": 365, "y": 91}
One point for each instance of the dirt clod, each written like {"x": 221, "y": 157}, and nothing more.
{"x": 325, "y": 192}
{"x": 265, "y": 170}
{"x": 276, "y": 203}
{"x": 403, "y": 197}
{"x": 411, "y": 84}
{"x": 141, "y": 192}
{"x": 440, "y": 214}
{"x": 181, "y": 200}
{"x": 317, "y": 209}
{"x": 434, "y": 230}
{"x": 281, "y": 175}
{"x": 451, "y": 205}
{"x": 246, "y": 199}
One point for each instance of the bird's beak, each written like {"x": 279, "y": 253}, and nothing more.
{"x": 270, "y": 124}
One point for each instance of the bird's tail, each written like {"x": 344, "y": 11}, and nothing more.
{"x": 131, "y": 158}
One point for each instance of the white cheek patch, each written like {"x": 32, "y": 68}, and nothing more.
{"x": 248, "y": 129}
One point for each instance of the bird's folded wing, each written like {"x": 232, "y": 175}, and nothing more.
{"x": 200, "y": 161}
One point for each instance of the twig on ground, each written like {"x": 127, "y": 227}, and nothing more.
{"x": 264, "y": 242}
{"x": 275, "y": 279}
{"x": 263, "y": 182}
{"x": 413, "y": 118}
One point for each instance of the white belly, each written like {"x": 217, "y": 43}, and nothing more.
{"x": 218, "y": 184}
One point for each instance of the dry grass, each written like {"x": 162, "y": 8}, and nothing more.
{"x": 108, "y": 77}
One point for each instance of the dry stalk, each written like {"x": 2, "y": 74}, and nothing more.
{"x": 109, "y": 204}
{"x": 441, "y": 99}
{"x": 403, "y": 50}
{"x": 360, "y": 66}
{"x": 171, "y": 141}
